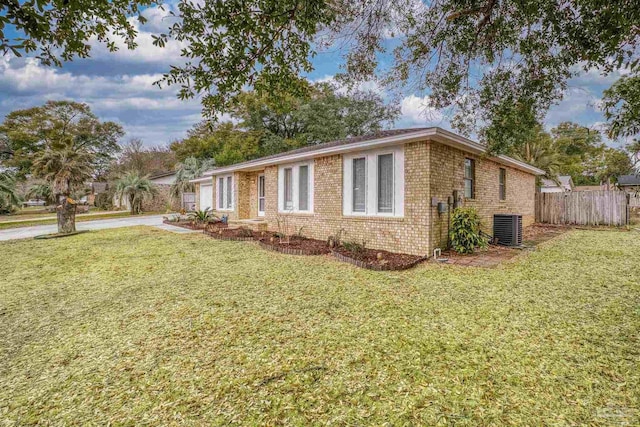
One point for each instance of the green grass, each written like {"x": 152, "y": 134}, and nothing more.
{"x": 139, "y": 326}
{"x": 79, "y": 218}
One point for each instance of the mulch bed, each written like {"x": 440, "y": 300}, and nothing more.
{"x": 296, "y": 246}
{"x": 185, "y": 224}
{"x": 235, "y": 234}
{"x": 368, "y": 258}
{"x": 492, "y": 256}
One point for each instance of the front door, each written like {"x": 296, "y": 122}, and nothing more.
{"x": 261, "y": 193}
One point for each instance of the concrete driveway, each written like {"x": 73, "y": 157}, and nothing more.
{"x": 36, "y": 230}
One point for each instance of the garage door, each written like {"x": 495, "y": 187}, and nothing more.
{"x": 206, "y": 196}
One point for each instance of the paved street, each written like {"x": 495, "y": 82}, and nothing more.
{"x": 28, "y": 232}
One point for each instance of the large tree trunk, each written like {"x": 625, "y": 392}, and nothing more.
{"x": 66, "y": 216}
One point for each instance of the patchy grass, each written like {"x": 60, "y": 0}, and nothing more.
{"x": 79, "y": 218}
{"x": 140, "y": 326}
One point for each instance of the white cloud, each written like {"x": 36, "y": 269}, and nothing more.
{"x": 159, "y": 21}
{"x": 418, "y": 110}
{"x": 145, "y": 111}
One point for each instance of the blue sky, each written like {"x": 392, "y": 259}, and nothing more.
{"x": 118, "y": 87}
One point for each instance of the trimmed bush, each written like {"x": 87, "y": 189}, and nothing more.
{"x": 465, "y": 231}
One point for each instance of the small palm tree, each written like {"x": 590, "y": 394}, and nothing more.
{"x": 136, "y": 189}
{"x": 9, "y": 198}
{"x": 190, "y": 169}
{"x": 541, "y": 153}
{"x": 42, "y": 192}
{"x": 201, "y": 216}
{"x": 65, "y": 169}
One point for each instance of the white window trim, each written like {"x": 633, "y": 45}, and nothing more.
{"x": 295, "y": 181}
{"x": 371, "y": 183}
{"x": 224, "y": 192}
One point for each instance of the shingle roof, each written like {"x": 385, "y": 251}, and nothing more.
{"x": 564, "y": 181}
{"x": 339, "y": 142}
{"x": 629, "y": 179}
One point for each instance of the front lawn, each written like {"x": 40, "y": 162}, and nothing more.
{"x": 141, "y": 326}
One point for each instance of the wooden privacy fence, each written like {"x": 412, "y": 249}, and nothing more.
{"x": 583, "y": 208}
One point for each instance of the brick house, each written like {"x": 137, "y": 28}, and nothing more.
{"x": 383, "y": 189}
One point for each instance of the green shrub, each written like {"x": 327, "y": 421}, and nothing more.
{"x": 104, "y": 201}
{"x": 465, "y": 231}
{"x": 200, "y": 216}
{"x": 355, "y": 247}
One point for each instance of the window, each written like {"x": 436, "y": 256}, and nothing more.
{"x": 288, "y": 189}
{"x": 225, "y": 193}
{"x": 303, "y": 188}
{"x": 503, "y": 184}
{"x": 359, "y": 180}
{"x": 373, "y": 183}
{"x": 385, "y": 183}
{"x": 295, "y": 188}
{"x": 469, "y": 178}
{"x": 220, "y": 193}
{"x": 261, "y": 195}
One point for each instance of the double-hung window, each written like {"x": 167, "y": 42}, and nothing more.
{"x": 469, "y": 178}
{"x": 295, "y": 188}
{"x": 224, "y": 192}
{"x": 373, "y": 183}
{"x": 503, "y": 184}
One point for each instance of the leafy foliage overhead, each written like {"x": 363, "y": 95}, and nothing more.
{"x": 500, "y": 64}
{"x": 621, "y": 105}
{"x": 56, "y": 126}
{"x": 229, "y": 44}
{"x": 61, "y": 30}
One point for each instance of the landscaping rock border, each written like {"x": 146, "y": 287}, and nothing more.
{"x": 292, "y": 251}
{"x": 374, "y": 267}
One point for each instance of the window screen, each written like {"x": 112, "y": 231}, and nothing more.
{"x": 469, "y": 177}
{"x": 288, "y": 189}
{"x": 359, "y": 184}
{"x": 303, "y": 188}
{"x": 385, "y": 183}
{"x": 229, "y": 192}
{"x": 503, "y": 184}
{"x": 221, "y": 193}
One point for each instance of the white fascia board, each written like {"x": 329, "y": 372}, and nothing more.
{"x": 436, "y": 134}
{"x": 201, "y": 179}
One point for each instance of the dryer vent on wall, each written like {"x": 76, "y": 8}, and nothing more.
{"x": 507, "y": 228}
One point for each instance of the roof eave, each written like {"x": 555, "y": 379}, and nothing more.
{"x": 201, "y": 179}
{"x": 436, "y": 134}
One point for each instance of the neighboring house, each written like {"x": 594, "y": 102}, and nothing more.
{"x": 383, "y": 189}
{"x": 563, "y": 184}
{"x": 164, "y": 178}
{"x": 631, "y": 185}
